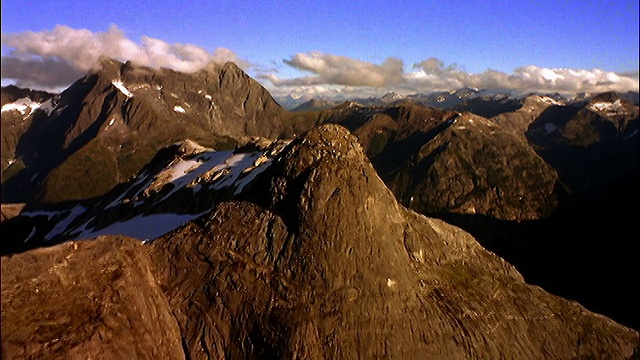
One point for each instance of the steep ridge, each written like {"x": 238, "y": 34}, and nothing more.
{"x": 484, "y": 176}
{"x": 591, "y": 144}
{"x": 317, "y": 259}
{"x": 519, "y": 120}
{"x": 12, "y": 93}
{"x": 110, "y": 123}
{"x": 179, "y": 184}
{"x": 18, "y": 106}
{"x": 315, "y": 104}
{"x": 489, "y": 106}
{"x": 440, "y": 161}
{"x": 585, "y": 248}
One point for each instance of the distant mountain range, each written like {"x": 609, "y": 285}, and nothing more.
{"x": 354, "y": 228}
{"x": 462, "y": 99}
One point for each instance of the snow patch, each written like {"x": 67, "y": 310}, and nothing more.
{"x": 48, "y": 214}
{"x": 33, "y": 232}
{"x": 183, "y": 168}
{"x": 634, "y": 133}
{"x": 213, "y": 169}
{"x": 139, "y": 180}
{"x": 141, "y": 226}
{"x": 23, "y": 105}
{"x": 48, "y": 106}
{"x": 207, "y": 170}
{"x": 252, "y": 173}
{"x": 548, "y": 100}
{"x": 64, "y": 223}
{"x": 607, "y": 106}
{"x": 120, "y": 86}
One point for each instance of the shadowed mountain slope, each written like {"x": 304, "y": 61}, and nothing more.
{"x": 315, "y": 260}
{"x": 440, "y": 161}
{"x": 107, "y": 125}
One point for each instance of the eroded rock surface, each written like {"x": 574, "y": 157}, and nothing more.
{"x": 316, "y": 260}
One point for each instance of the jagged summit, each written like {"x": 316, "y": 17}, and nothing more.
{"x": 438, "y": 161}
{"x": 122, "y": 113}
{"x": 215, "y": 67}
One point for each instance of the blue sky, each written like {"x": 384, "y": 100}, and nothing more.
{"x": 282, "y": 43}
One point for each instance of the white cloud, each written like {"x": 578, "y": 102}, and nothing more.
{"x": 64, "y": 54}
{"x": 433, "y": 75}
{"x": 341, "y": 70}
{"x": 56, "y": 58}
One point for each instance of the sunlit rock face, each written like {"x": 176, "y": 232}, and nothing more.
{"x": 314, "y": 258}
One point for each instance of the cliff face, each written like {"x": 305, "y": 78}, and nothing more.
{"x": 316, "y": 259}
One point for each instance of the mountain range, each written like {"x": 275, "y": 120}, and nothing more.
{"x": 368, "y": 229}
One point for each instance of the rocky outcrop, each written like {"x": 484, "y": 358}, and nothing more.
{"x": 10, "y": 211}
{"x": 94, "y": 299}
{"x": 317, "y": 259}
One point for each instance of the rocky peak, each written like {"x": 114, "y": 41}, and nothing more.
{"x": 122, "y": 113}
{"x": 108, "y": 68}
{"x": 315, "y": 104}
{"x": 609, "y": 96}
{"x": 333, "y": 258}
{"x": 227, "y": 72}
{"x": 328, "y": 264}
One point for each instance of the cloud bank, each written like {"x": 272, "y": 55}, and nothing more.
{"x": 56, "y": 58}
{"x": 433, "y": 75}
{"x": 341, "y": 70}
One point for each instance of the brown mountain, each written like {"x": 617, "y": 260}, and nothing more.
{"x": 11, "y": 93}
{"x": 111, "y": 122}
{"x": 316, "y": 260}
{"x": 519, "y": 119}
{"x": 485, "y": 176}
{"x": 462, "y": 168}
{"x": 440, "y": 161}
{"x": 591, "y": 144}
{"x": 21, "y": 104}
{"x": 585, "y": 248}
